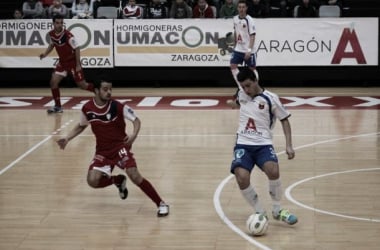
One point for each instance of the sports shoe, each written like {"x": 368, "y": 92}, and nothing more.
{"x": 123, "y": 191}
{"x": 163, "y": 209}
{"x": 55, "y": 109}
{"x": 285, "y": 216}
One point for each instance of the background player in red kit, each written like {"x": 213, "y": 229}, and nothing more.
{"x": 69, "y": 61}
{"x": 107, "y": 119}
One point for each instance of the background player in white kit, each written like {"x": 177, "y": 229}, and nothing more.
{"x": 244, "y": 50}
{"x": 259, "y": 110}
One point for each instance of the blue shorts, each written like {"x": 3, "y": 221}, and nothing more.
{"x": 247, "y": 156}
{"x": 238, "y": 58}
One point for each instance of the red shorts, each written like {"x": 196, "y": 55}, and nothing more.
{"x": 123, "y": 160}
{"x": 69, "y": 67}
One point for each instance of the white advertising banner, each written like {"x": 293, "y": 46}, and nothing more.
{"x": 22, "y": 41}
{"x": 170, "y": 42}
{"x": 195, "y": 42}
{"x": 318, "y": 42}
{"x": 279, "y": 42}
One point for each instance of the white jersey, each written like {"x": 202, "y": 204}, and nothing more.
{"x": 258, "y": 116}
{"x": 244, "y": 28}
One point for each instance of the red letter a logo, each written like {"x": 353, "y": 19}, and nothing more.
{"x": 357, "y": 53}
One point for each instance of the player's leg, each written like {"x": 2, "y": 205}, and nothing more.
{"x": 241, "y": 167}
{"x": 80, "y": 81}
{"x": 148, "y": 189}
{"x": 247, "y": 190}
{"x": 251, "y": 63}
{"x": 100, "y": 176}
{"x": 271, "y": 169}
{"x": 56, "y": 78}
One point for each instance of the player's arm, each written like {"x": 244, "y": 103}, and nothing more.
{"x": 130, "y": 116}
{"x": 136, "y": 129}
{"x": 78, "y": 129}
{"x": 288, "y": 138}
{"x": 47, "y": 51}
{"x": 250, "y": 46}
{"x": 251, "y": 41}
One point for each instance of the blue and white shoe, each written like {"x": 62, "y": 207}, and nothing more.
{"x": 285, "y": 216}
{"x": 55, "y": 109}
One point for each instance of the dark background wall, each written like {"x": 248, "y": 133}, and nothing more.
{"x": 207, "y": 77}
{"x": 359, "y": 76}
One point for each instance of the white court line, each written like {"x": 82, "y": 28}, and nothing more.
{"x": 290, "y": 198}
{"x": 219, "y": 189}
{"x": 2, "y": 171}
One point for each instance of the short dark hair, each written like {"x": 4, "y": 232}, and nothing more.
{"x": 246, "y": 73}
{"x": 55, "y": 17}
{"x": 98, "y": 81}
{"x": 243, "y": 1}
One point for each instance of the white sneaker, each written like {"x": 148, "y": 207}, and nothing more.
{"x": 163, "y": 209}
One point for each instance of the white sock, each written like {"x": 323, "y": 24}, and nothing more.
{"x": 252, "y": 198}
{"x": 275, "y": 192}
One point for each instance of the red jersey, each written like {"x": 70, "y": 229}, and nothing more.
{"x": 65, "y": 44}
{"x": 108, "y": 125}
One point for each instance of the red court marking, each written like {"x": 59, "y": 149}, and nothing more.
{"x": 194, "y": 102}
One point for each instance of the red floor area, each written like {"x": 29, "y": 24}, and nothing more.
{"x": 199, "y": 102}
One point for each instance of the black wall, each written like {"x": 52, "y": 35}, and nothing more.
{"x": 356, "y": 76}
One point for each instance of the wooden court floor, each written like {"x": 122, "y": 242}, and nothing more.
{"x": 332, "y": 185}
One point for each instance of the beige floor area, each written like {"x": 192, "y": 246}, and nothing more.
{"x": 332, "y": 185}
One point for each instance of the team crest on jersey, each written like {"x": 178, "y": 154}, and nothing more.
{"x": 108, "y": 116}
{"x": 261, "y": 105}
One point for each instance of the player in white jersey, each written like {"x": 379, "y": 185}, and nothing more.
{"x": 244, "y": 50}
{"x": 259, "y": 110}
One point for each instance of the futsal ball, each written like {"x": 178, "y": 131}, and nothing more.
{"x": 257, "y": 224}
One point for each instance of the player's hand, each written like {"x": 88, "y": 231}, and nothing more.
{"x": 128, "y": 140}
{"x": 62, "y": 143}
{"x": 290, "y": 152}
{"x": 42, "y": 56}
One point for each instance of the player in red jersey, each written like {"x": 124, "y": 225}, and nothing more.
{"x": 69, "y": 61}
{"x": 113, "y": 146}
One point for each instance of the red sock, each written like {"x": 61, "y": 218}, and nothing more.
{"x": 105, "y": 181}
{"x": 90, "y": 87}
{"x": 56, "y": 96}
{"x": 149, "y": 190}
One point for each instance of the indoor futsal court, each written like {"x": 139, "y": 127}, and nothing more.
{"x": 185, "y": 149}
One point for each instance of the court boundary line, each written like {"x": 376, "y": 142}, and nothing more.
{"x": 18, "y": 159}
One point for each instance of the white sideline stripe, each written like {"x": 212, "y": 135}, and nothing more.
{"x": 24, "y": 155}
{"x": 219, "y": 189}
{"x": 2, "y": 171}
